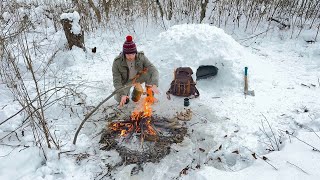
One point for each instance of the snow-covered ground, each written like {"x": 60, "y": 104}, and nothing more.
{"x": 226, "y": 130}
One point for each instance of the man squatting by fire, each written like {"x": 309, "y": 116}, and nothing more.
{"x": 126, "y": 66}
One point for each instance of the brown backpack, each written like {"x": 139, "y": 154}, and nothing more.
{"x": 183, "y": 84}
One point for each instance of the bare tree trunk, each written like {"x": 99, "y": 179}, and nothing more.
{"x": 73, "y": 39}
{"x": 317, "y": 10}
{"x": 203, "y": 9}
{"x": 160, "y": 8}
{"x": 96, "y": 10}
{"x": 41, "y": 113}
{"x": 80, "y": 6}
{"x": 107, "y": 6}
{"x": 1, "y": 47}
{"x": 170, "y": 9}
{"x": 315, "y": 38}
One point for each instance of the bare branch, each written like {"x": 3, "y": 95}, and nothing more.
{"x": 297, "y": 167}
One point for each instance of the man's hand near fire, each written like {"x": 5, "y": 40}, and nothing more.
{"x": 123, "y": 100}
{"x": 155, "y": 89}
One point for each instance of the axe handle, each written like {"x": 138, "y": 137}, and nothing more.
{"x": 245, "y": 84}
{"x": 245, "y": 80}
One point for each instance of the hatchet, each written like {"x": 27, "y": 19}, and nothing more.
{"x": 246, "y": 91}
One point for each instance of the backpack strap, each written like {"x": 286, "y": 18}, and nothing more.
{"x": 196, "y": 94}
{"x": 168, "y": 95}
{"x": 188, "y": 87}
{"x": 169, "y": 92}
{"x": 179, "y": 88}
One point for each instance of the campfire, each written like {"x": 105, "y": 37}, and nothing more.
{"x": 139, "y": 121}
{"x": 158, "y": 133}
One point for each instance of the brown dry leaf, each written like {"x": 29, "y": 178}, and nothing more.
{"x": 254, "y": 155}
{"x": 236, "y": 152}
{"x": 264, "y": 158}
{"x": 218, "y": 148}
{"x": 184, "y": 171}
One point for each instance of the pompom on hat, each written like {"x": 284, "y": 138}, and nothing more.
{"x": 129, "y": 47}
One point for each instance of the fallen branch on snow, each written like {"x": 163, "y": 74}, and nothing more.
{"x": 291, "y": 134}
{"x": 263, "y": 158}
{"x": 297, "y": 167}
{"x": 305, "y": 85}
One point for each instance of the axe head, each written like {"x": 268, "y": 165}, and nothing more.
{"x": 250, "y": 93}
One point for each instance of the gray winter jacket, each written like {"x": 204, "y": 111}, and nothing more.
{"x": 120, "y": 71}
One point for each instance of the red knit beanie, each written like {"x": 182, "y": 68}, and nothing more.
{"x": 129, "y": 47}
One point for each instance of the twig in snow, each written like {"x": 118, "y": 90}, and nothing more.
{"x": 271, "y": 148}
{"x": 274, "y": 140}
{"x": 14, "y": 145}
{"x": 306, "y": 127}
{"x": 97, "y": 134}
{"x": 316, "y": 134}
{"x": 4, "y": 106}
{"x": 269, "y": 138}
{"x": 194, "y": 123}
{"x": 256, "y": 155}
{"x": 31, "y": 103}
{"x": 282, "y": 24}
{"x": 278, "y": 146}
{"x": 8, "y": 153}
{"x": 59, "y": 154}
{"x": 256, "y": 35}
{"x": 25, "y": 147}
{"x": 203, "y": 117}
{"x": 305, "y": 85}
{"x": 297, "y": 167}
{"x": 16, "y": 136}
{"x": 12, "y": 131}
{"x": 291, "y": 134}
{"x": 110, "y": 169}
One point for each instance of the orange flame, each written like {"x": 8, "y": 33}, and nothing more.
{"x": 144, "y": 111}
